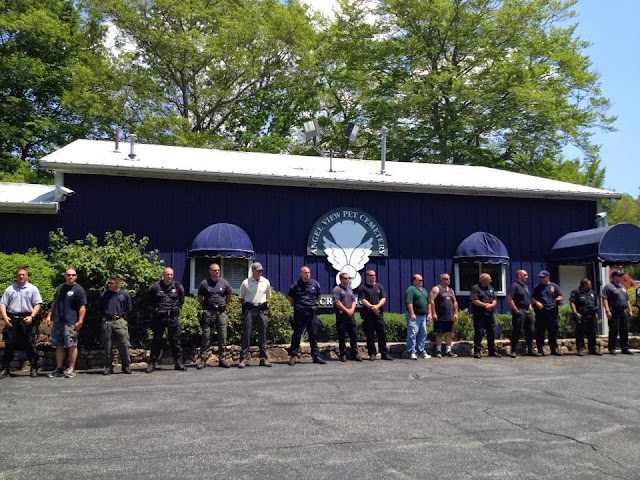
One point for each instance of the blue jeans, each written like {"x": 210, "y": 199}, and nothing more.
{"x": 416, "y": 333}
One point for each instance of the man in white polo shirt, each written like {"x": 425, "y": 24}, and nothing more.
{"x": 255, "y": 291}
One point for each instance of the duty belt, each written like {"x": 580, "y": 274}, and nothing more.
{"x": 216, "y": 308}
{"x": 19, "y": 315}
{"x": 112, "y": 317}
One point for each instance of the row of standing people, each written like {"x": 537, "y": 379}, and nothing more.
{"x": 21, "y": 303}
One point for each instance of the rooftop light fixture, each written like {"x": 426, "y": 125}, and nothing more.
{"x": 312, "y": 131}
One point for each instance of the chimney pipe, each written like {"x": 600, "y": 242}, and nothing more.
{"x": 132, "y": 141}
{"x": 383, "y": 154}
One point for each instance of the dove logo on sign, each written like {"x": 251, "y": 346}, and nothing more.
{"x": 348, "y": 237}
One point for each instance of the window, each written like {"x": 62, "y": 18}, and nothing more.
{"x": 233, "y": 270}
{"x": 467, "y": 275}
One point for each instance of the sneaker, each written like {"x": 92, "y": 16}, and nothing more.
{"x": 514, "y": 355}
{"x": 201, "y": 365}
{"x": 319, "y": 360}
{"x": 451, "y": 354}
{"x": 57, "y": 373}
{"x": 612, "y": 352}
{"x": 626, "y": 351}
{"x": 265, "y": 363}
{"x": 357, "y": 358}
{"x": 242, "y": 364}
{"x": 477, "y": 355}
{"x": 151, "y": 368}
{"x": 223, "y": 363}
{"x": 69, "y": 373}
{"x": 372, "y": 358}
{"x": 34, "y": 372}
{"x": 107, "y": 371}
{"x": 343, "y": 358}
{"x": 127, "y": 369}
{"x": 438, "y": 354}
{"x": 413, "y": 356}
{"x": 386, "y": 356}
{"x": 180, "y": 367}
{"x": 579, "y": 353}
{"x": 424, "y": 355}
{"x": 4, "y": 373}
{"x": 495, "y": 355}
{"x": 292, "y": 361}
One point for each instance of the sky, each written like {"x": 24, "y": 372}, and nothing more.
{"x": 612, "y": 29}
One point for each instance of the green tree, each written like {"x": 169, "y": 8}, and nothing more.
{"x": 500, "y": 84}
{"x": 41, "y": 272}
{"x": 225, "y": 73}
{"x": 95, "y": 262}
{"x": 625, "y": 209}
{"x": 46, "y": 53}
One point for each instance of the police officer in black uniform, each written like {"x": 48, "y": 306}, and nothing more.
{"x": 618, "y": 309}
{"x": 114, "y": 304}
{"x": 214, "y": 294}
{"x": 546, "y": 297}
{"x": 304, "y": 295}
{"x": 167, "y": 298}
{"x": 584, "y": 305}
{"x": 373, "y": 298}
{"x": 519, "y": 299}
{"x": 483, "y": 301}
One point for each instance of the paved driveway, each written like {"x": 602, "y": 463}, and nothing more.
{"x": 502, "y": 418}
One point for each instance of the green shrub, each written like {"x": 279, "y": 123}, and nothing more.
{"x": 94, "y": 262}
{"x": 190, "y": 321}
{"x": 396, "y": 327}
{"x": 278, "y": 327}
{"x": 463, "y": 327}
{"x": 41, "y": 272}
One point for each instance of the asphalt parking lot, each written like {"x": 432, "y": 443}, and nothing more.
{"x": 566, "y": 417}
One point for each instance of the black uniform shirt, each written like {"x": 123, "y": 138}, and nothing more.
{"x": 114, "y": 303}
{"x": 485, "y": 295}
{"x": 584, "y": 300}
{"x": 214, "y": 293}
{"x": 68, "y": 300}
{"x": 546, "y": 294}
{"x": 371, "y": 293}
{"x": 521, "y": 295}
{"x": 616, "y": 296}
{"x": 165, "y": 297}
{"x": 305, "y": 293}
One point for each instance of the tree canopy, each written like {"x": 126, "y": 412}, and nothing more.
{"x": 499, "y": 83}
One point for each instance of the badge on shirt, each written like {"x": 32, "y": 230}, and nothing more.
{"x": 70, "y": 293}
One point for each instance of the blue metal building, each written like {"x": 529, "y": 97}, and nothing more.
{"x": 171, "y": 194}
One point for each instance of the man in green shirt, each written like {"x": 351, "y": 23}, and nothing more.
{"x": 417, "y": 299}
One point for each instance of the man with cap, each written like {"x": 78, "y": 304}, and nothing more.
{"x": 167, "y": 298}
{"x": 546, "y": 298}
{"x": 585, "y": 305}
{"x": 617, "y": 306}
{"x": 519, "y": 300}
{"x": 19, "y": 308}
{"x": 304, "y": 295}
{"x": 483, "y": 302}
{"x": 255, "y": 292}
{"x": 214, "y": 294}
{"x": 114, "y": 304}
{"x": 344, "y": 303}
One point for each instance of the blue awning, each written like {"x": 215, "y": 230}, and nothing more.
{"x": 612, "y": 245}
{"x": 481, "y": 247}
{"x": 222, "y": 240}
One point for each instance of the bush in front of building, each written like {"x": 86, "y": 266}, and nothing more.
{"x": 396, "y": 327}
{"x": 41, "y": 272}
{"x": 95, "y": 262}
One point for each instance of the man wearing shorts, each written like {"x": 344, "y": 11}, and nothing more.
{"x": 444, "y": 311}
{"x": 67, "y": 312}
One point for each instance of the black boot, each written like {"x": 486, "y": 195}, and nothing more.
{"x": 4, "y": 373}
{"x": 151, "y": 368}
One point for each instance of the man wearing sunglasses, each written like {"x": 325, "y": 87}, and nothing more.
{"x": 115, "y": 304}
{"x": 67, "y": 312}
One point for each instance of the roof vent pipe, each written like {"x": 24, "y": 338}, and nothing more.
{"x": 132, "y": 141}
{"x": 117, "y": 140}
{"x": 383, "y": 154}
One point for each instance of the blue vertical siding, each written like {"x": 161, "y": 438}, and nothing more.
{"x": 422, "y": 230}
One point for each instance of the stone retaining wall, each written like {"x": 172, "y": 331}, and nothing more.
{"x": 91, "y": 359}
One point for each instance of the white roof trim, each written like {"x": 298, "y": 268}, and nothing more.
{"x": 28, "y": 198}
{"x": 157, "y": 161}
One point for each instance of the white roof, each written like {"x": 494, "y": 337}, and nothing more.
{"x": 159, "y": 161}
{"x": 28, "y": 198}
